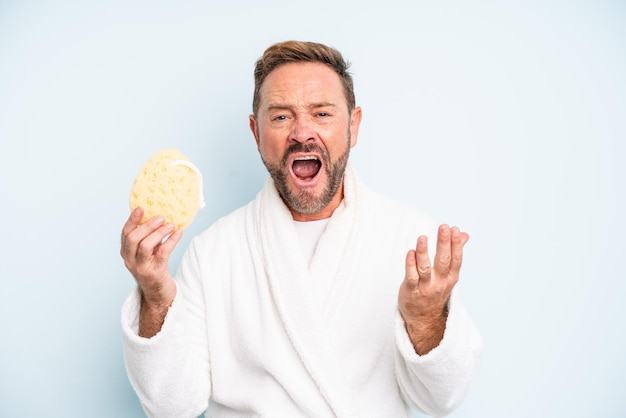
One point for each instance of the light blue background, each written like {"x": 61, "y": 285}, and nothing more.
{"x": 507, "y": 118}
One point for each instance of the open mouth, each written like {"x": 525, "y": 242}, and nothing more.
{"x": 306, "y": 168}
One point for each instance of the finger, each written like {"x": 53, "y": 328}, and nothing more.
{"x": 458, "y": 241}
{"x": 464, "y": 238}
{"x": 131, "y": 225}
{"x": 168, "y": 246}
{"x": 443, "y": 252}
{"x": 132, "y": 222}
{"x": 411, "y": 268}
{"x": 135, "y": 237}
{"x": 153, "y": 241}
{"x": 127, "y": 248}
{"x": 423, "y": 260}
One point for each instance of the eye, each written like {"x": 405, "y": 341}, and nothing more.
{"x": 279, "y": 118}
{"x": 323, "y": 114}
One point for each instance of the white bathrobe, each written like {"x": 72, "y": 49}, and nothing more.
{"x": 247, "y": 337}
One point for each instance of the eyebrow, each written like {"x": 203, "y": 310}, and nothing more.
{"x": 280, "y": 106}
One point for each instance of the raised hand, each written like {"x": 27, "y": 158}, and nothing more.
{"x": 425, "y": 291}
{"x": 146, "y": 249}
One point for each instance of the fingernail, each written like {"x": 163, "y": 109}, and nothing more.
{"x": 170, "y": 226}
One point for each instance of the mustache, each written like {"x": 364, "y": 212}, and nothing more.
{"x": 304, "y": 148}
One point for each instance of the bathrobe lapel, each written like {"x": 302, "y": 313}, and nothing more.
{"x": 336, "y": 257}
{"x": 290, "y": 285}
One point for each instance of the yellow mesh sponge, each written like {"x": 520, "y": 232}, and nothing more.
{"x": 168, "y": 185}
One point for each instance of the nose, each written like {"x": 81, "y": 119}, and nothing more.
{"x": 302, "y": 131}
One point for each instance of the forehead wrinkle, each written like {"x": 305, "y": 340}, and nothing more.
{"x": 287, "y": 106}
{"x": 284, "y": 90}
{"x": 279, "y": 106}
{"x": 322, "y": 104}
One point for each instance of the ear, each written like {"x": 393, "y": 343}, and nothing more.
{"x": 254, "y": 127}
{"x": 355, "y": 123}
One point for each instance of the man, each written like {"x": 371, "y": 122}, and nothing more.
{"x": 299, "y": 304}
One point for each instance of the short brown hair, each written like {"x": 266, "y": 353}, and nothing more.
{"x": 297, "y": 51}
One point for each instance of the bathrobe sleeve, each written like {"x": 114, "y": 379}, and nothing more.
{"x": 170, "y": 372}
{"x": 438, "y": 381}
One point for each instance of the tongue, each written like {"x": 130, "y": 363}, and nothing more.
{"x": 306, "y": 168}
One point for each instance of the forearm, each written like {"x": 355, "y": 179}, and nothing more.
{"x": 151, "y": 318}
{"x": 154, "y": 307}
{"x": 426, "y": 333}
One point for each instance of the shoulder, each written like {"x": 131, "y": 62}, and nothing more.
{"x": 224, "y": 231}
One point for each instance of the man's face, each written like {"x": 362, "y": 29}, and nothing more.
{"x": 304, "y": 133}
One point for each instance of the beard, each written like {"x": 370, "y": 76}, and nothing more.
{"x": 304, "y": 201}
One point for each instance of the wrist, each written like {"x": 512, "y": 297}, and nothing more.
{"x": 158, "y": 297}
{"x": 425, "y": 323}
{"x": 425, "y": 332}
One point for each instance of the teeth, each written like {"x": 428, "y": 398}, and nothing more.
{"x": 308, "y": 157}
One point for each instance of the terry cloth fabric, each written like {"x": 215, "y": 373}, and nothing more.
{"x": 247, "y": 337}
